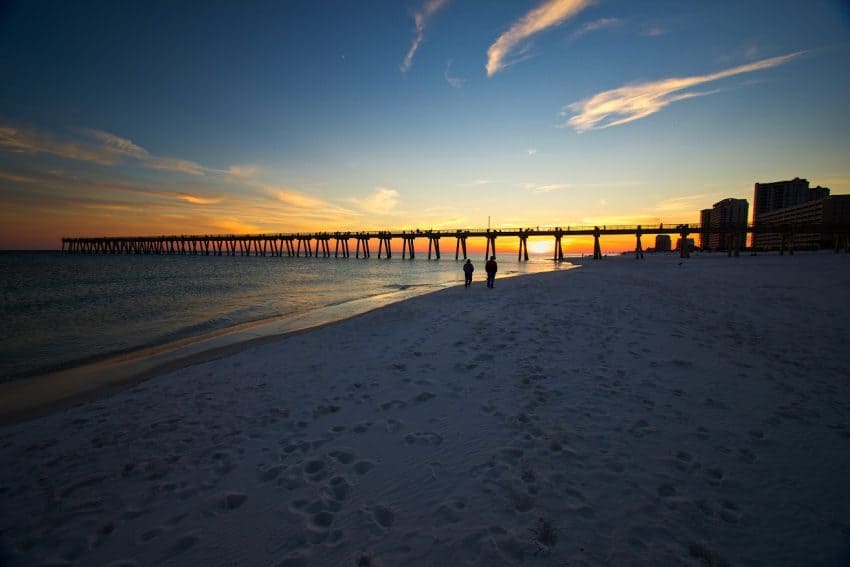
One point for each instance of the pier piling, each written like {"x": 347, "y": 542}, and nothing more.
{"x": 835, "y": 236}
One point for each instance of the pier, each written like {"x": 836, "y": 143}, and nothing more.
{"x": 318, "y": 244}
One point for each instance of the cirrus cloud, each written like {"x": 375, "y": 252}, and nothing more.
{"x": 95, "y": 146}
{"x": 420, "y": 19}
{"x": 548, "y": 14}
{"x": 626, "y": 104}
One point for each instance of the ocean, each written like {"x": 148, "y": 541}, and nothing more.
{"x": 61, "y": 311}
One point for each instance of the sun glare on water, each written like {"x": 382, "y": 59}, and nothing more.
{"x": 540, "y": 247}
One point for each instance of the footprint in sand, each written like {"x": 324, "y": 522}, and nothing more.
{"x": 337, "y": 489}
{"x": 314, "y": 470}
{"x": 424, "y": 397}
{"x": 449, "y": 512}
{"x": 423, "y": 438}
{"x": 363, "y": 467}
{"x": 325, "y": 410}
{"x": 746, "y": 456}
{"x": 714, "y": 476}
{"x": 317, "y": 526}
{"x": 641, "y": 427}
{"x": 343, "y": 456}
{"x": 383, "y": 516}
{"x": 183, "y": 543}
{"x": 225, "y": 502}
{"x": 267, "y": 474}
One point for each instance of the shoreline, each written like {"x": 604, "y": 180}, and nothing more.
{"x": 26, "y": 398}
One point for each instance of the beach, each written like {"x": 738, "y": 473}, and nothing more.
{"x": 657, "y": 412}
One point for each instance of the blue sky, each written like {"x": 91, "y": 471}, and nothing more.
{"x": 222, "y": 117}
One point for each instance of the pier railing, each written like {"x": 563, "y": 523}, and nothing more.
{"x": 318, "y": 244}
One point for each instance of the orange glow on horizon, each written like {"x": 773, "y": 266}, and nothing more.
{"x": 24, "y": 228}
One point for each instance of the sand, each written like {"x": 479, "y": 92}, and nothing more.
{"x": 649, "y": 413}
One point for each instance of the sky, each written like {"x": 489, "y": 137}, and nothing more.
{"x": 149, "y": 118}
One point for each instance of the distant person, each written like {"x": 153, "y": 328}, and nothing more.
{"x": 468, "y": 268}
{"x": 491, "y": 267}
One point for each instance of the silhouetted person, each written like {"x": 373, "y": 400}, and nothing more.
{"x": 491, "y": 267}
{"x": 468, "y": 268}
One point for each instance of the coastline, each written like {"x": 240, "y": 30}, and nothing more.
{"x": 29, "y": 397}
{"x": 653, "y": 412}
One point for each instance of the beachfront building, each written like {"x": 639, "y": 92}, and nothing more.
{"x": 830, "y": 211}
{"x": 705, "y": 226}
{"x": 777, "y": 195}
{"x": 728, "y": 221}
{"x": 662, "y": 243}
{"x": 783, "y": 194}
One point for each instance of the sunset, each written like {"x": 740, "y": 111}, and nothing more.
{"x": 424, "y": 282}
{"x": 282, "y": 117}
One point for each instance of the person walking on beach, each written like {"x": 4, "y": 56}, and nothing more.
{"x": 468, "y": 268}
{"x": 491, "y": 267}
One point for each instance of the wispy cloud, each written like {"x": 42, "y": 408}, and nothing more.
{"x": 126, "y": 148}
{"x": 198, "y": 200}
{"x": 477, "y": 183}
{"x": 653, "y": 30}
{"x": 420, "y": 19}
{"x": 629, "y": 103}
{"x": 455, "y": 82}
{"x": 98, "y": 147}
{"x": 17, "y": 178}
{"x": 551, "y": 187}
{"x": 382, "y": 201}
{"x": 307, "y": 206}
{"x": 531, "y": 151}
{"x": 19, "y": 140}
{"x": 596, "y": 25}
{"x": 548, "y": 14}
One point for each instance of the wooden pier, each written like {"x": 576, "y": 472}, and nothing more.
{"x": 317, "y": 244}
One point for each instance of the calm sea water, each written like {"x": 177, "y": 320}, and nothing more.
{"x": 60, "y": 311}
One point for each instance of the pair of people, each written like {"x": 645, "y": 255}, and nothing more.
{"x": 491, "y": 267}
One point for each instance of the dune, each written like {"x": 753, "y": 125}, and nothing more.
{"x": 625, "y": 412}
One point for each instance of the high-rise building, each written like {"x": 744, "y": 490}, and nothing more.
{"x": 729, "y": 224}
{"x": 827, "y": 212}
{"x": 776, "y": 196}
{"x": 781, "y": 194}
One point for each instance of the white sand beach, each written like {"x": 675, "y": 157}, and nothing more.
{"x": 661, "y": 412}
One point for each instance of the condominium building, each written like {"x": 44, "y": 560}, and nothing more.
{"x": 827, "y": 212}
{"x": 782, "y": 194}
{"x": 777, "y": 195}
{"x": 728, "y": 221}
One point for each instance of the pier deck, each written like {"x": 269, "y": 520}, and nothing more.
{"x": 317, "y": 244}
